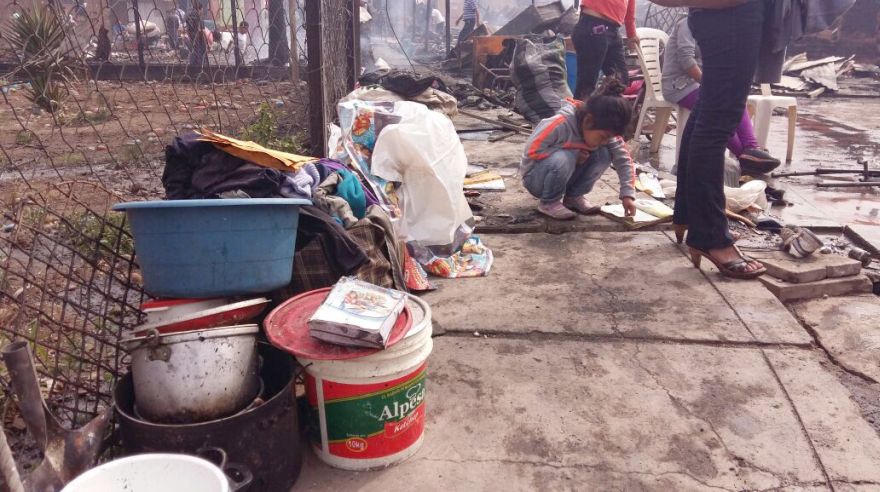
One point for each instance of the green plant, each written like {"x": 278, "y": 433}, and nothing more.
{"x": 37, "y": 38}
{"x": 264, "y": 131}
{"x": 93, "y": 236}
{"x": 24, "y": 137}
{"x": 93, "y": 117}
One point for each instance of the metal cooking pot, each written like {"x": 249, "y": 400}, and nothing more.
{"x": 194, "y": 376}
{"x": 264, "y": 439}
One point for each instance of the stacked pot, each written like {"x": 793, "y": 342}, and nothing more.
{"x": 197, "y": 378}
{"x": 195, "y": 364}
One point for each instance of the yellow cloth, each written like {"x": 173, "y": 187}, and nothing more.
{"x": 256, "y": 153}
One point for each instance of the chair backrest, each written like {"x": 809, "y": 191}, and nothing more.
{"x": 650, "y": 43}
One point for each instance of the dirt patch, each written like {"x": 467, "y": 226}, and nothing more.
{"x": 724, "y": 403}
{"x": 696, "y": 460}
{"x": 115, "y": 133}
{"x": 530, "y": 441}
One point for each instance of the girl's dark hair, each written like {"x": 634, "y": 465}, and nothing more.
{"x": 609, "y": 111}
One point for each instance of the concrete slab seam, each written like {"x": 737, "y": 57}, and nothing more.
{"x": 678, "y": 403}
{"x": 818, "y": 341}
{"x": 800, "y": 420}
{"x": 583, "y": 466}
{"x": 586, "y": 337}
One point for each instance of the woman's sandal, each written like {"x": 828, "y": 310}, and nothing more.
{"x": 734, "y": 269}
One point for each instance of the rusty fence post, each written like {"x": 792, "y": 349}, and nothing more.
{"x": 138, "y": 34}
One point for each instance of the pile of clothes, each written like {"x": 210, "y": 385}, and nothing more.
{"x": 344, "y": 232}
{"x": 388, "y": 206}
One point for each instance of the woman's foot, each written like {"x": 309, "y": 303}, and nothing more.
{"x": 730, "y": 261}
{"x": 556, "y": 210}
{"x": 581, "y": 205}
{"x": 757, "y": 161}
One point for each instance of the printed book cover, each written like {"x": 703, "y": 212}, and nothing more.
{"x": 357, "y": 313}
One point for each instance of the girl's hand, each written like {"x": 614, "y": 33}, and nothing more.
{"x": 629, "y": 206}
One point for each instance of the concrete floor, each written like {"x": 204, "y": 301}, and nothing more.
{"x": 605, "y": 361}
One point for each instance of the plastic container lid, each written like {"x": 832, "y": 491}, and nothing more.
{"x": 419, "y": 311}
{"x": 225, "y": 315}
{"x": 288, "y": 329}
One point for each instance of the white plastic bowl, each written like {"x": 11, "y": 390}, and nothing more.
{"x": 159, "y": 472}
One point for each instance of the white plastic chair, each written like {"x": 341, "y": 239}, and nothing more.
{"x": 649, "y": 59}
{"x": 761, "y": 109}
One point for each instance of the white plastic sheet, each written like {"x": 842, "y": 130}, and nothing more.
{"x": 424, "y": 153}
{"x": 749, "y": 196}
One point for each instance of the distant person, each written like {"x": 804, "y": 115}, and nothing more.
{"x": 568, "y": 153}
{"x": 368, "y": 61}
{"x": 172, "y": 28}
{"x": 248, "y": 54}
{"x": 103, "y": 50}
{"x": 682, "y": 75}
{"x": 597, "y": 41}
{"x": 195, "y": 29}
{"x": 438, "y": 22}
{"x": 471, "y": 17}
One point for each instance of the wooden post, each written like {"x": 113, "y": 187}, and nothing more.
{"x": 234, "y": 7}
{"x": 353, "y": 44}
{"x": 137, "y": 33}
{"x": 327, "y": 57}
{"x": 317, "y": 129}
{"x": 427, "y": 23}
{"x": 294, "y": 47}
{"x": 448, "y": 30}
{"x": 414, "y": 19}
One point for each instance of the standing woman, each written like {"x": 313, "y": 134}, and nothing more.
{"x": 730, "y": 35}
{"x": 598, "y": 44}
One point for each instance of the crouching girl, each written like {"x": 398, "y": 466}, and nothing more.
{"x": 569, "y": 152}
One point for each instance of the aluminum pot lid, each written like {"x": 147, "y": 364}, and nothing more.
{"x": 188, "y": 336}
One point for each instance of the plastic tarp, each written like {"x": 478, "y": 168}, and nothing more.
{"x": 424, "y": 154}
{"x": 539, "y": 73}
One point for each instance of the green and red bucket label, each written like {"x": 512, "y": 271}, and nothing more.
{"x": 370, "y": 421}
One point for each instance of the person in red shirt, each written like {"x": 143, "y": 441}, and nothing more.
{"x": 598, "y": 43}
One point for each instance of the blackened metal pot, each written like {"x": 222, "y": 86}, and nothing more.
{"x": 265, "y": 439}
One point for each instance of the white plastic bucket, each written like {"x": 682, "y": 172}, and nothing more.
{"x": 370, "y": 412}
{"x": 157, "y": 472}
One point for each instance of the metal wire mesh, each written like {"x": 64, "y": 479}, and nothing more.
{"x": 663, "y": 18}
{"x": 69, "y": 284}
{"x": 72, "y": 146}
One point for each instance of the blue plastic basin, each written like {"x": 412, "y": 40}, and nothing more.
{"x": 212, "y": 248}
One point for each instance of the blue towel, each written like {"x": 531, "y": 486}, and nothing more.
{"x": 351, "y": 190}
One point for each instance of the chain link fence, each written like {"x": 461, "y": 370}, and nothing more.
{"x": 91, "y": 92}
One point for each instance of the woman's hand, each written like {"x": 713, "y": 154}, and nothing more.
{"x": 629, "y": 206}
{"x": 633, "y": 43}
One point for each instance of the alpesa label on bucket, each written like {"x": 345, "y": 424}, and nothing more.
{"x": 372, "y": 421}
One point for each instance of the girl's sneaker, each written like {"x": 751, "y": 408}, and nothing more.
{"x": 581, "y": 205}
{"x": 556, "y": 210}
